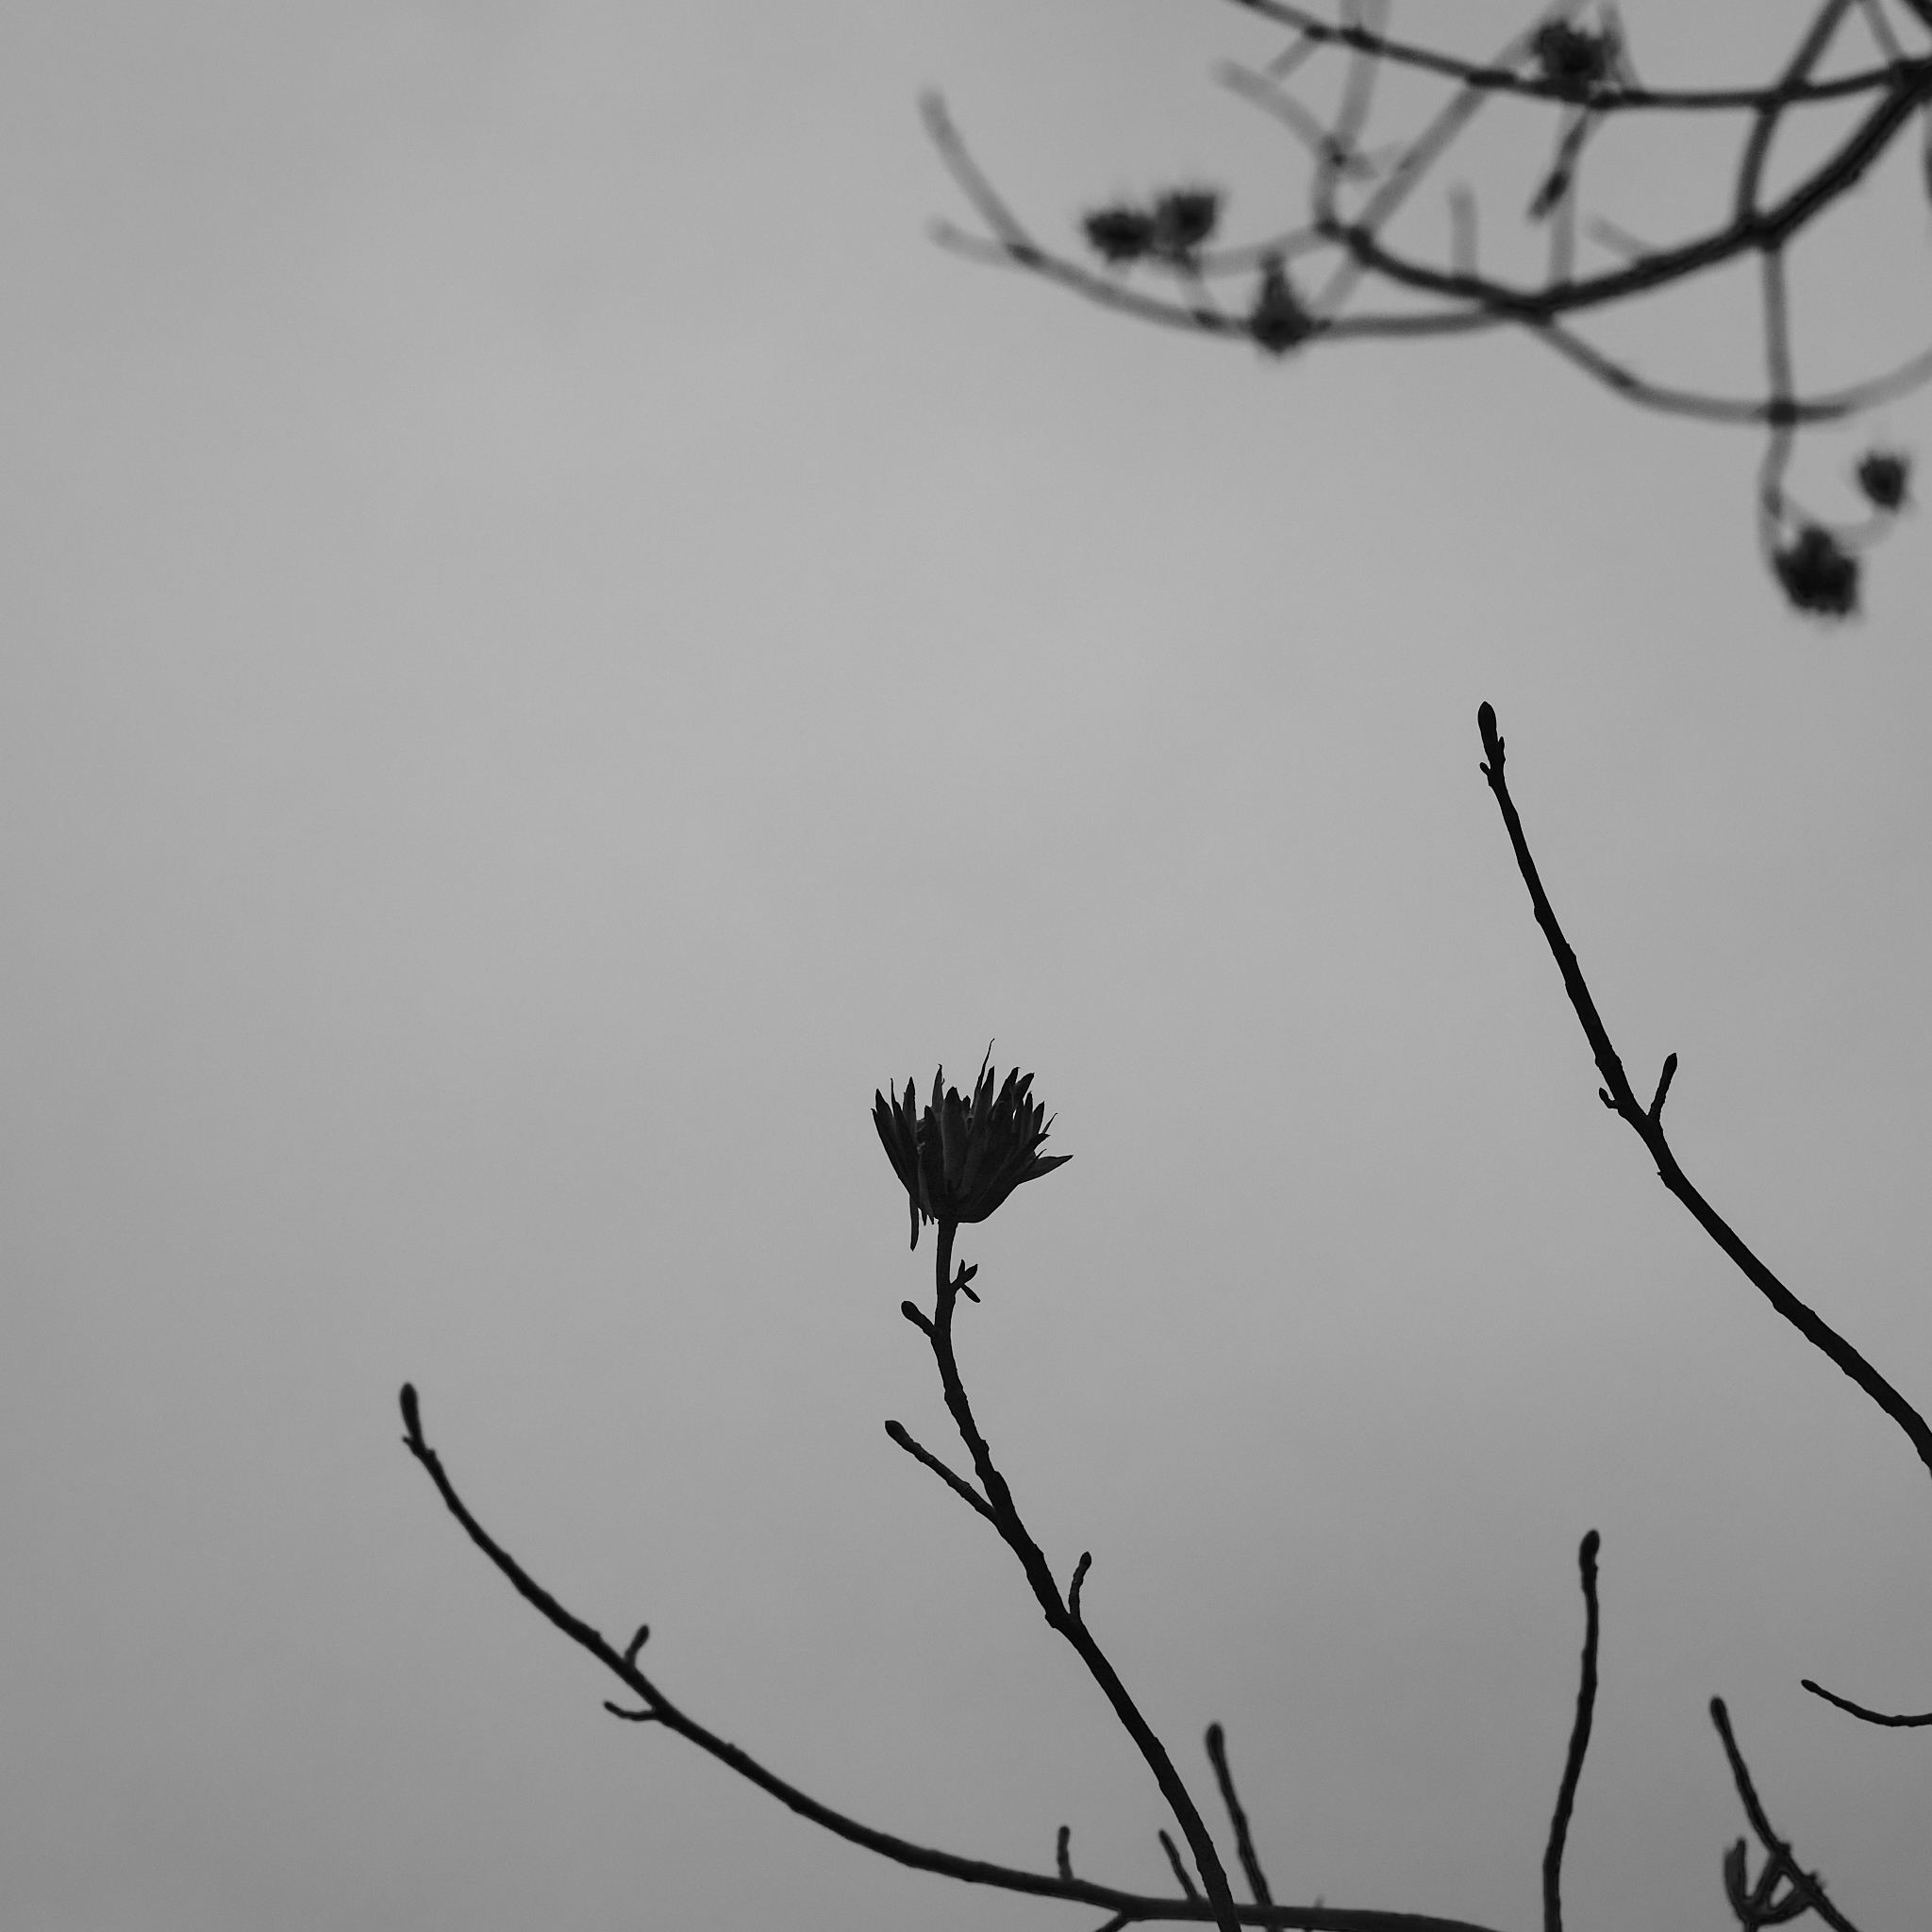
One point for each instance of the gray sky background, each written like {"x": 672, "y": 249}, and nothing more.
{"x": 553, "y": 642}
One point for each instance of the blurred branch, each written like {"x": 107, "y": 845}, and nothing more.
{"x": 1062, "y": 1614}
{"x": 1584, "y": 74}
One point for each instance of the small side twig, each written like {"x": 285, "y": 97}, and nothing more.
{"x": 959, "y": 1485}
{"x": 1080, "y": 1570}
{"x": 1180, "y": 1870}
{"x": 1894, "y": 1720}
{"x": 1244, "y": 1844}
{"x": 1580, "y": 1742}
{"x": 1649, "y": 1129}
{"x": 1760, "y": 1906}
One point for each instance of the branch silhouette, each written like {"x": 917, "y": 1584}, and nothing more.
{"x": 1129, "y": 1907}
{"x": 1647, "y": 1123}
{"x": 1579, "y": 1740}
{"x": 958, "y": 1161}
{"x": 1583, "y": 75}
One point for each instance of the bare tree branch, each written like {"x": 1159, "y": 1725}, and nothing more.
{"x": 1891, "y": 1720}
{"x": 1585, "y": 74}
{"x": 1760, "y": 1904}
{"x": 1129, "y": 1907}
{"x": 1580, "y": 1742}
{"x": 1617, "y": 1095}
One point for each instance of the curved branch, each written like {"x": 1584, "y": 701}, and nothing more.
{"x": 1133, "y": 1906}
{"x": 1495, "y": 79}
{"x": 1647, "y": 1123}
{"x": 1891, "y": 1720}
{"x": 1834, "y": 177}
{"x": 1783, "y": 1865}
{"x": 1062, "y": 1616}
{"x": 1580, "y": 1742}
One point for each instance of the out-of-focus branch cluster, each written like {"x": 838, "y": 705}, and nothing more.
{"x": 1341, "y": 274}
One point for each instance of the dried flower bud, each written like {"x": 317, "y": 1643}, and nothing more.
{"x": 1884, "y": 476}
{"x": 1277, "y": 321}
{"x": 1574, "y": 60}
{"x": 1120, "y": 235}
{"x": 961, "y": 1158}
{"x": 1184, "y": 220}
{"x": 1818, "y": 572}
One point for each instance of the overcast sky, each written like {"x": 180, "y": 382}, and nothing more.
{"x": 551, "y": 643}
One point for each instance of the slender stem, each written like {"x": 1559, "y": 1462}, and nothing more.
{"x": 1891, "y": 1720}
{"x": 1805, "y": 1883}
{"x": 1135, "y": 1907}
{"x": 1579, "y": 1743}
{"x": 1059, "y": 1613}
{"x": 1648, "y": 1126}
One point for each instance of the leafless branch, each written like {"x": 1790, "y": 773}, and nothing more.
{"x": 1647, "y": 1123}
{"x": 1893, "y": 1720}
{"x": 1244, "y": 1843}
{"x": 1762, "y": 1904}
{"x": 1584, "y": 74}
{"x": 1128, "y": 1908}
{"x": 1580, "y": 1742}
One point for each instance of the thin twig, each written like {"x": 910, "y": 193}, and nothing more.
{"x": 1806, "y": 1884}
{"x": 1244, "y": 1843}
{"x": 959, "y": 1485}
{"x": 1183, "y": 1876}
{"x": 1059, "y": 1613}
{"x": 1650, "y": 1130}
{"x": 1132, "y": 1907}
{"x": 1894, "y": 1720}
{"x": 1497, "y": 80}
{"x": 1580, "y": 1742}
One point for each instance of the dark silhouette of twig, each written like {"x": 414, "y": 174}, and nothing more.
{"x": 1061, "y": 1614}
{"x": 1893, "y": 1720}
{"x": 1244, "y": 1844}
{"x": 956, "y": 1484}
{"x": 1647, "y": 1123}
{"x": 1580, "y": 1742}
{"x": 1128, "y": 1908}
{"x": 1761, "y": 1904}
{"x": 1182, "y": 1875}
{"x": 1584, "y": 74}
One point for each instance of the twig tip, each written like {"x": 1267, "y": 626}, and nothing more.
{"x": 412, "y": 1417}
